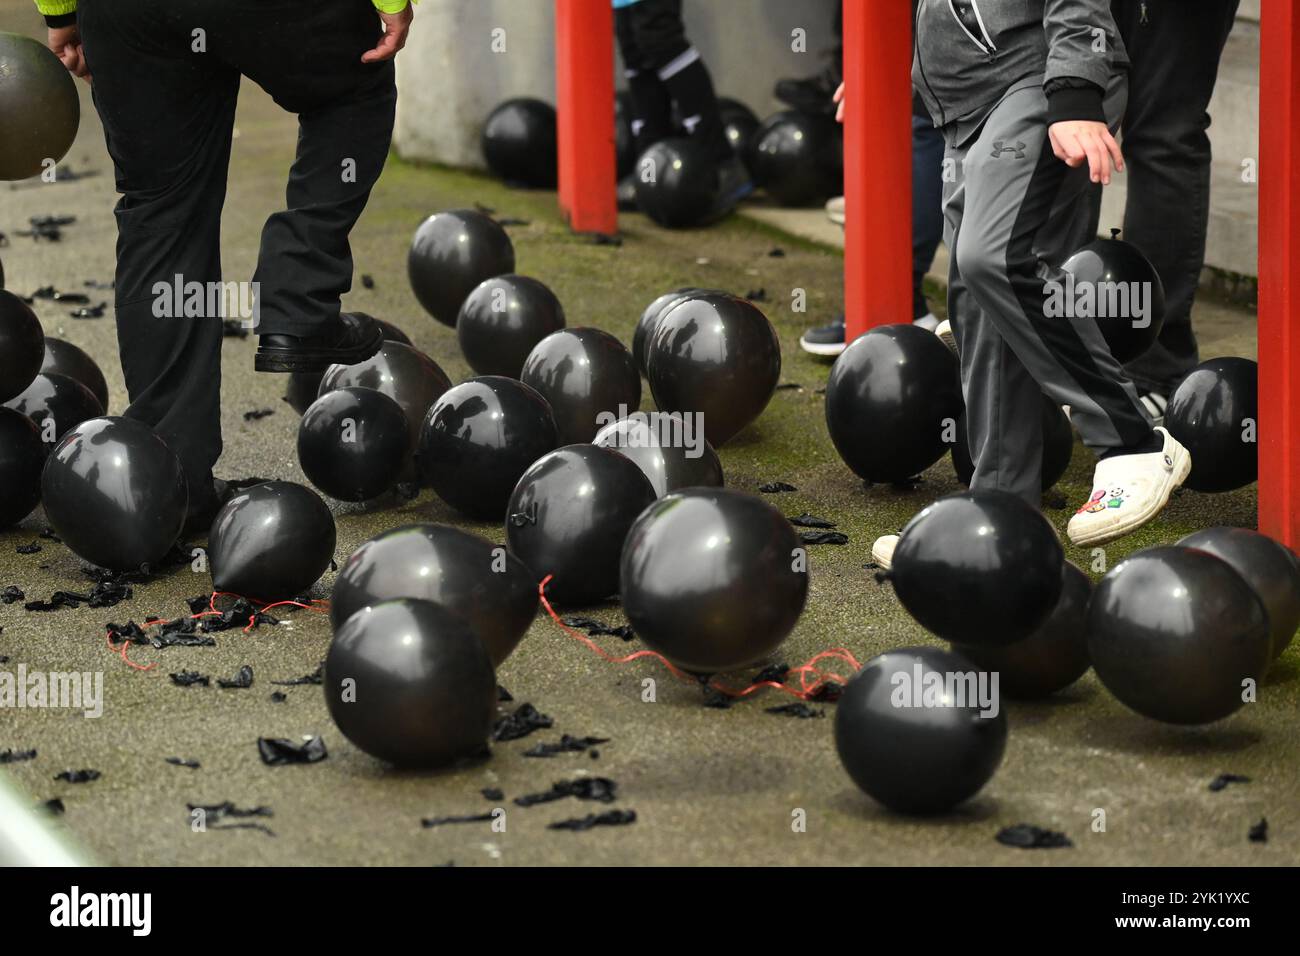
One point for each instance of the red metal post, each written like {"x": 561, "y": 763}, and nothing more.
{"x": 1279, "y": 272}
{"x": 584, "y": 74}
{"x": 877, "y": 164}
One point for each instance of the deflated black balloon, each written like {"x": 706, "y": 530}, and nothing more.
{"x": 716, "y": 356}
{"x": 587, "y": 377}
{"x": 64, "y": 358}
{"x": 22, "y": 344}
{"x": 1058, "y": 446}
{"x": 38, "y": 97}
{"x": 409, "y": 682}
{"x": 502, "y": 320}
{"x": 713, "y": 579}
{"x": 666, "y": 448}
{"x": 353, "y": 442}
{"x": 460, "y": 572}
{"x": 1175, "y": 632}
{"x": 1051, "y": 658}
{"x": 271, "y": 541}
{"x": 676, "y": 182}
{"x": 980, "y": 567}
{"x": 519, "y": 142}
{"x": 479, "y": 438}
{"x": 115, "y": 493}
{"x": 649, "y": 321}
{"x": 1111, "y": 281}
{"x": 56, "y": 404}
{"x": 892, "y": 397}
{"x": 303, "y": 388}
{"x": 1269, "y": 567}
{"x": 22, "y": 456}
{"x": 569, "y": 515}
{"x": 908, "y": 744}
{"x": 1214, "y": 412}
{"x": 798, "y": 158}
{"x": 451, "y": 253}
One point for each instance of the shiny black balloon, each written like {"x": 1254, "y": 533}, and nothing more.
{"x": 911, "y": 757}
{"x": 717, "y": 356}
{"x": 676, "y": 182}
{"x": 479, "y": 438}
{"x": 353, "y": 442}
{"x": 583, "y": 374}
{"x": 624, "y": 141}
{"x": 409, "y": 682}
{"x": 502, "y": 320}
{"x": 1128, "y": 298}
{"x": 22, "y": 345}
{"x": 39, "y": 98}
{"x": 891, "y": 399}
{"x": 1174, "y": 632}
{"x": 57, "y": 404}
{"x": 64, "y": 358}
{"x": 980, "y": 567}
{"x": 1051, "y": 658}
{"x": 713, "y": 579}
{"x": 1214, "y": 412}
{"x": 666, "y": 449}
{"x": 451, "y": 253}
{"x": 303, "y": 388}
{"x": 22, "y": 456}
{"x": 739, "y": 124}
{"x": 568, "y": 518}
{"x": 798, "y": 158}
{"x": 115, "y": 493}
{"x": 460, "y": 572}
{"x": 271, "y": 541}
{"x": 1268, "y": 566}
{"x": 1058, "y": 446}
{"x": 519, "y": 142}
{"x": 649, "y": 321}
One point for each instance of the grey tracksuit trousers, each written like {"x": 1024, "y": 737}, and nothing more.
{"x": 1012, "y": 213}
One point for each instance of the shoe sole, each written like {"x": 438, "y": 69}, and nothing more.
{"x": 315, "y": 359}
{"x": 826, "y": 351}
{"x": 948, "y": 339}
{"x": 1174, "y": 481}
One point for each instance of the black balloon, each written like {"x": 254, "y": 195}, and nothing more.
{"x": 649, "y": 321}
{"x": 666, "y": 450}
{"x": 353, "y": 442}
{"x": 798, "y": 158}
{"x": 56, "y": 404}
{"x": 916, "y": 754}
{"x": 892, "y": 397}
{"x": 451, "y": 253}
{"x": 1051, "y": 658}
{"x": 22, "y": 344}
{"x": 38, "y": 97}
{"x": 479, "y": 438}
{"x": 716, "y": 356}
{"x": 1058, "y": 446}
{"x": 1127, "y": 296}
{"x": 519, "y": 142}
{"x": 1175, "y": 632}
{"x": 115, "y": 493}
{"x": 303, "y": 388}
{"x": 583, "y": 374}
{"x": 713, "y": 579}
{"x": 409, "y": 683}
{"x": 502, "y": 320}
{"x": 271, "y": 541}
{"x": 458, "y": 571}
{"x": 1269, "y": 567}
{"x": 22, "y": 455}
{"x": 569, "y": 515}
{"x": 1214, "y": 412}
{"x": 64, "y": 358}
{"x": 739, "y": 124}
{"x": 980, "y": 567}
{"x": 676, "y": 182}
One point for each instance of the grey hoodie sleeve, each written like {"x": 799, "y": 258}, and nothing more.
{"x": 1079, "y": 58}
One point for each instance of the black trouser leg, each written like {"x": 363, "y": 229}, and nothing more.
{"x": 652, "y": 107}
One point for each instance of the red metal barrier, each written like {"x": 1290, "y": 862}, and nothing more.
{"x": 584, "y": 81}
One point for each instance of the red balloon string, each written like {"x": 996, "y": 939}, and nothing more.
{"x": 811, "y": 679}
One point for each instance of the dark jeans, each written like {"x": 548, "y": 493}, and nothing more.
{"x": 168, "y": 109}
{"x": 927, "y": 204}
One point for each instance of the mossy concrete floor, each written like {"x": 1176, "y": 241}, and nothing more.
{"x": 709, "y": 786}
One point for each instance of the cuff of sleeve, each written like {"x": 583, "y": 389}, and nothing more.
{"x": 56, "y": 8}
{"x": 62, "y": 20}
{"x": 390, "y": 6}
{"x": 1075, "y": 103}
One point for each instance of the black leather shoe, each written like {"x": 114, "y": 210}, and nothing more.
{"x": 199, "y": 521}
{"x": 356, "y": 338}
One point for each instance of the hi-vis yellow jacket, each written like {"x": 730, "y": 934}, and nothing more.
{"x": 60, "y": 8}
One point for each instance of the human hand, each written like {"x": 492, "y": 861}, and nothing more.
{"x": 839, "y": 98}
{"x": 396, "y": 28}
{"x": 65, "y": 43}
{"x": 1075, "y": 141}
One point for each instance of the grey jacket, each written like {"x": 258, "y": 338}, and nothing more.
{"x": 968, "y": 53}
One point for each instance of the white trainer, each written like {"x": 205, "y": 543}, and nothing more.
{"x": 1128, "y": 491}
{"x": 882, "y": 552}
{"x": 944, "y": 331}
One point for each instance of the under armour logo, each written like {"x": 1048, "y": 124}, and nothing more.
{"x": 999, "y": 149}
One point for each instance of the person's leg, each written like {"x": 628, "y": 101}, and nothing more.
{"x": 168, "y": 117}
{"x": 652, "y": 107}
{"x": 927, "y": 205}
{"x": 1175, "y": 59}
